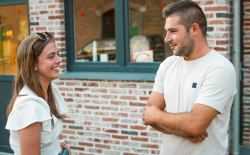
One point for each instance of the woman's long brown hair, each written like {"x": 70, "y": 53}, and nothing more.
{"x": 27, "y": 57}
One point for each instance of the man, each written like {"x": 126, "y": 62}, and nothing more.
{"x": 193, "y": 90}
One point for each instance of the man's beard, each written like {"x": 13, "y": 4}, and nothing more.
{"x": 185, "y": 50}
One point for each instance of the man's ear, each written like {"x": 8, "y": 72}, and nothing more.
{"x": 195, "y": 29}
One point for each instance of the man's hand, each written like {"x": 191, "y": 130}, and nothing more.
{"x": 150, "y": 115}
{"x": 198, "y": 139}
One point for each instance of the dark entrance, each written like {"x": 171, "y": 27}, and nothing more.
{"x": 13, "y": 29}
{"x": 5, "y": 95}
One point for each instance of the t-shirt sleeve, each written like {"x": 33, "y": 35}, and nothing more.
{"x": 26, "y": 112}
{"x": 158, "y": 83}
{"x": 218, "y": 89}
{"x": 161, "y": 73}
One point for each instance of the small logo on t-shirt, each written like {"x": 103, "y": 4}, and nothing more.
{"x": 194, "y": 85}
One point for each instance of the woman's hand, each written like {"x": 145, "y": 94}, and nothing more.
{"x": 65, "y": 145}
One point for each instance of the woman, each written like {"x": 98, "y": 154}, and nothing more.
{"x": 36, "y": 108}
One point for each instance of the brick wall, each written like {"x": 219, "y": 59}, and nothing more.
{"x": 246, "y": 74}
{"x": 105, "y": 116}
{"x": 48, "y": 15}
{"x": 219, "y": 24}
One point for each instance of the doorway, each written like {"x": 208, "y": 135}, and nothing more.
{"x": 13, "y": 29}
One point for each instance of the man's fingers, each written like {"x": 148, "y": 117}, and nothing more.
{"x": 198, "y": 139}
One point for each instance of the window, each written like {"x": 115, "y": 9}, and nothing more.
{"x": 146, "y": 31}
{"x": 94, "y": 27}
{"x": 115, "y": 35}
{"x": 13, "y": 29}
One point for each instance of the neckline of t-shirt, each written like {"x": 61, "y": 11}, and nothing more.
{"x": 26, "y": 91}
{"x": 198, "y": 59}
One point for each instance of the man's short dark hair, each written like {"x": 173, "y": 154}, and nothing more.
{"x": 189, "y": 12}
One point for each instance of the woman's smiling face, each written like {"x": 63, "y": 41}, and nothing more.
{"x": 49, "y": 62}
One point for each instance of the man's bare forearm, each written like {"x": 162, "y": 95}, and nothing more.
{"x": 173, "y": 132}
{"x": 165, "y": 130}
{"x": 181, "y": 124}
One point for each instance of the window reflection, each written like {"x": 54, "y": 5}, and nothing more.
{"x": 95, "y": 31}
{"x": 13, "y": 29}
{"x": 146, "y": 26}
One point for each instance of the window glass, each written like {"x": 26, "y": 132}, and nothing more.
{"x": 94, "y": 27}
{"x": 146, "y": 29}
{"x": 13, "y": 29}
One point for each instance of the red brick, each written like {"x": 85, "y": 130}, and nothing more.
{"x": 126, "y": 153}
{"x": 138, "y": 104}
{"x": 109, "y": 119}
{"x": 56, "y": 17}
{"x": 152, "y": 146}
{"x": 111, "y": 141}
{"x": 92, "y": 107}
{"x": 222, "y": 42}
{"x": 68, "y": 131}
{"x": 142, "y": 139}
{"x": 128, "y": 97}
{"x": 217, "y": 8}
{"x": 143, "y": 98}
{"x": 52, "y": 6}
{"x": 119, "y": 137}
{"x": 138, "y": 127}
{"x": 41, "y": 29}
{"x": 216, "y": 22}
{"x": 86, "y": 144}
{"x": 77, "y": 148}
{"x": 110, "y": 130}
{"x": 102, "y": 146}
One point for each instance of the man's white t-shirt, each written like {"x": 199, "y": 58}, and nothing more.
{"x": 30, "y": 108}
{"x": 209, "y": 80}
